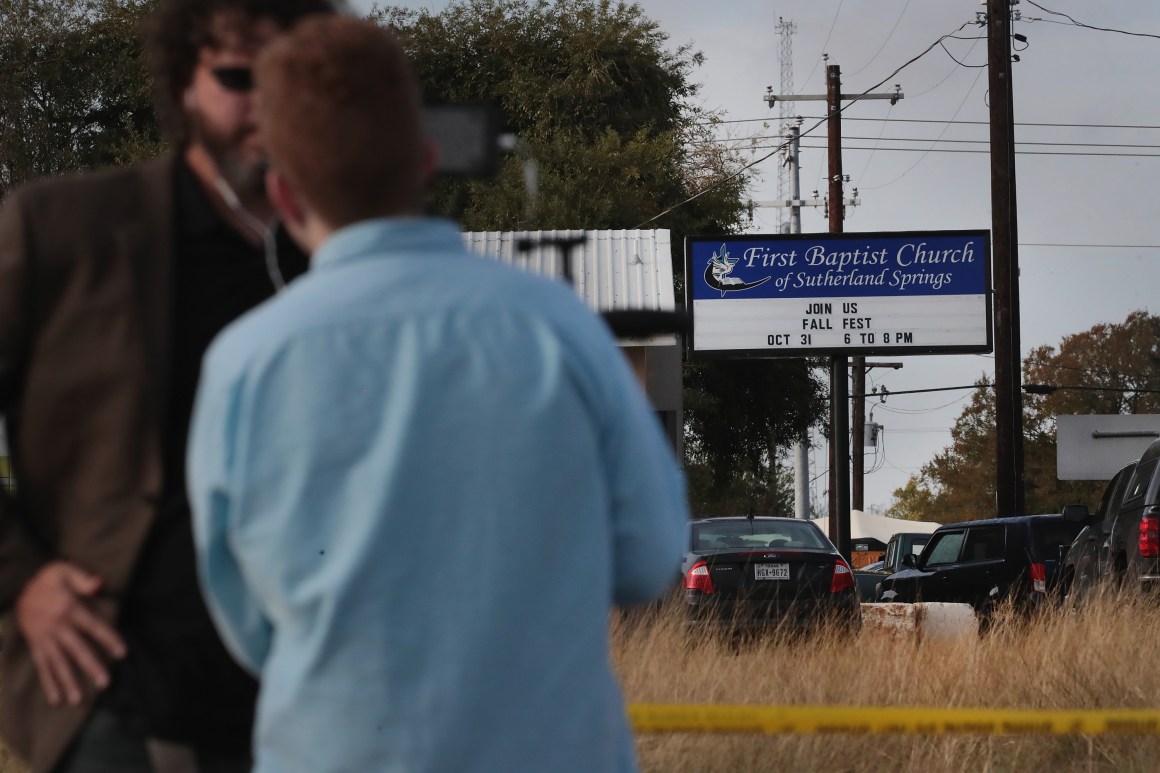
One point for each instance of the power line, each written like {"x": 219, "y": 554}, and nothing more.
{"x": 1094, "y": 246}
{"x": 841, "y": 110}
{"x": 884, "y": 42}
{"x": 956, "y": 61}
{"x": 1017, "y": 142}
{"x": 898, "y": 431}
{"x": 956, "y": 122}
{"x": 880, "y": 138}
{"x": 921, "y": 391}
{"x": 918, "y": 411}
{"x": 833, "y": 24}
{"x": 1089, "y": 26}
{"x": 966, "y": 96}
{"x": 966, "y": 150}
{"x": 904, "y": 470}
{"x": 948, "y": 75}
{"x": 1096, "y": 372}
{"x": 870, "y": 157}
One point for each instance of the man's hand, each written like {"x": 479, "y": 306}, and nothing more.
{"x": 63, "y": 633}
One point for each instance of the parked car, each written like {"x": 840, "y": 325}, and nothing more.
{"x": 902, "y": 544}
{"x": 867, "y": 579}
{"x": 756, "y": 572}
{"x": 985, "y": 563}
{"x": 1120, "y": 542}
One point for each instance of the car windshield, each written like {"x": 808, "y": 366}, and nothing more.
{"x": 757, "y": 534}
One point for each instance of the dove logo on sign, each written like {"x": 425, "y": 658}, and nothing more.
{"x": 717, "y": 272}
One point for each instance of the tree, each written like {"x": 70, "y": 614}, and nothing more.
{"x": 959, "y": 483}
{"x": 1111, "y": 362}
{"x": 74, "y": 87}
{"x": 769, "y": 492}
{"x": 606, "y": 111}
{"x": 741, "y": 415}
{"x": 596, "y": 99}
{"x": 912, "y": 502}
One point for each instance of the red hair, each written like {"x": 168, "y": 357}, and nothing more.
{"x": 340, "y": 114}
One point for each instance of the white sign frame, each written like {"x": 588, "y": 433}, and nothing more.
{"x": 802, "y": 295}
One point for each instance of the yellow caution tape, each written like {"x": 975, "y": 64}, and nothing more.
{"x": 676, "y": 718}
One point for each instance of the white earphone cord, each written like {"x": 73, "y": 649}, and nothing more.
{"x": 266, "y": 230}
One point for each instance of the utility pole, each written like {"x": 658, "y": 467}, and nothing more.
{"x": 839, "y": 441}
{"x": 1005, "y": 257}
{"x": 801, "y": 448}
{"x": 839, "y": 386}
{"x": 858, "y": 425}
{"x": 860, "y": 368}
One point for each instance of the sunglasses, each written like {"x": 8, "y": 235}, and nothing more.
{"x": 240, "y": 79}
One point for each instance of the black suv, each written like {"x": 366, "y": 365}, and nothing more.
{"x": 1121, "y": 540}
{"x": 984, "y": 563}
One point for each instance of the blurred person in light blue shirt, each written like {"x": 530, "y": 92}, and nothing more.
{"x": 421, "y": 479}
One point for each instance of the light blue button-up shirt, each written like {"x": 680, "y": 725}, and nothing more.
{"x": 420, "y": 479}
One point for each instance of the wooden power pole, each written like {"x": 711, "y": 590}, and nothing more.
{"x": 1005, "y": 260}
{"x": 839, "y": 385}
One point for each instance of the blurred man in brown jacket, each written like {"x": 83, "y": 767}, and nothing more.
{"x": 111, "y": 287}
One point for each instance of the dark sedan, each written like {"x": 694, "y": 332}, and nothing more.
{"x": 766, "y": 572}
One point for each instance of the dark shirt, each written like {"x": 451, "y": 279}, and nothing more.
{"x": 178, "y": 682}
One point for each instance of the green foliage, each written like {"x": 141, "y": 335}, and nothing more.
{"x": 959, "y": 483}
{"x": 739, "y": 414}
{"x": 74, "y": 87}
{"x": 597, "y": 101}
{"x": 768, "y": 493}
{"x": 912, "y": 502}
{"x": 1121, "y": 358}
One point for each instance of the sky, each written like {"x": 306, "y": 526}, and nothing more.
{"x": 1088, "y": 221}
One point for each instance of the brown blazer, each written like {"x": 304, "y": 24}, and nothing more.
{"x": 85, "y": 295}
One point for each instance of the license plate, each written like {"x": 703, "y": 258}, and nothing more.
{"x": 771, "y": 571}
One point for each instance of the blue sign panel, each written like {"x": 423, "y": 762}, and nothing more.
{"x": 800, "y": 294}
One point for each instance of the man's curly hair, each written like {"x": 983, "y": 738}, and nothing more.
{"x": 179, "y": 29}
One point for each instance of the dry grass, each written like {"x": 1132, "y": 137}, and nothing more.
{"x": 1104, "y": 655}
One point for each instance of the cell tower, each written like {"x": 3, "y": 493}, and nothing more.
{"x": 785, "y": 30}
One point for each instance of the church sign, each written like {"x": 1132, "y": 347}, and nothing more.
{"x": 797, "y": 295}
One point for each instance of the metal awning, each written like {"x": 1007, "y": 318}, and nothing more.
{"x": 612, "y": 270}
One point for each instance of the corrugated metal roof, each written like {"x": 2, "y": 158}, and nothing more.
{"x": 611, "y": 270}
